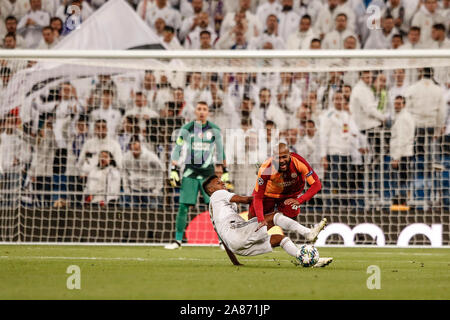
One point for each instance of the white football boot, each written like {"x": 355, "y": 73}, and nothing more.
{"x": 172, "y": 246}
{"x": 323, "y": 262}
{"x": 312, "y": 235}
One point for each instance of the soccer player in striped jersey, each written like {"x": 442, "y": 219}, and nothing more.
{"x": 281, "y": 181}
{"x": 247, "y": 238}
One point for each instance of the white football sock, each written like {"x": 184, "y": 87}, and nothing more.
{"x": 290, "y": 248}
{"x": 289, "y": 224}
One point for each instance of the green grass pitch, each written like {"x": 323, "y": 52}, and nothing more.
{"x": 141, "y": 272}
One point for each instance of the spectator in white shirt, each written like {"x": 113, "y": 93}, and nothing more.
{"x": 396, "y": 41}
{"x": 193, "y": 38}
{"x": 288, "y": 96}
{"x": 48, "y": 39}
{"x": 141, "y": 110}
{"x": 75, "y": 143}
{"x": 11, "y": 27}
{"x": 234, "y": 40}
{"x": 242, "y": 15}
{"x": 57, "y": 26}
{"x": 240, "y": 87}
{"x": 162, "y": 10}
{"x": 308, "y": 7}
{"x": 189, "y": 8}
{"x": 144, "y": 8}
{"x": 268, "y": 110}
{"x": 269, "y": 7}
{"x": 148, "y": 86}
{"x": 103, "y": 181}
{"x": 402, "y": 147}
{"x": 427, "y": 16}
{"x": 337, "y": 135}
{"x": 425, "y": 101}
{"x": 301, "y": 39}
{"x": 363, "y": 108}
{"x": 41, "y": 169}
{"x": 309, "y": 147}
{"x": 397, "y": 10}
{"x": 399, "y": 86}
{"x": 270, "y": 34}
{"x": 170, "y": 40}
{"x": 106, "y": 112}
{"x": 247, "y": 111}
{"x": 197, "y": 90}
{"x": 89, "y": 154}
{"x": 9, "y": 41}
{"x": 13, "y": 152}
{"x": 67, "y": 110}
{"x": 289, "y": 20}
{"x": 351, "y": 43}
{"x": 143, "y": 175}
{"x": 30, "y": 26}
{"x": 325, "y": 18}
{"x": 413, "y": 39}
{"x": 335, "y": 39}
{"x": 192, "y": 22}
{"x": 316, "y": 44}
{"x": 381, "y": 39}
{"x": 440, "y": 40}
{"x": 206, "y": 42}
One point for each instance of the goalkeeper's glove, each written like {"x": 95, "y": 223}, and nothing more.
{"x": 174, "y": 177}
{"x": 226, "y": 179}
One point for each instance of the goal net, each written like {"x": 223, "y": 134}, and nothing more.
{"x": 86, "y": 140}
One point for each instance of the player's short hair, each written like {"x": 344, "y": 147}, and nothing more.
{"x": 208, "y": 181}
{"x": 202, "y": 102}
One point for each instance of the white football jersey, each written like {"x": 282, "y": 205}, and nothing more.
{"x": 222, "y": 211}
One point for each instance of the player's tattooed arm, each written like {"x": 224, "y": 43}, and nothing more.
{"x": 241, "y": 199}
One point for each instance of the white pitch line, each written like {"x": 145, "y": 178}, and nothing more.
{"x": 126, "y": 258}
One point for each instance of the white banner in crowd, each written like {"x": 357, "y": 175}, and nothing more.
{"x": 115, "y": 26}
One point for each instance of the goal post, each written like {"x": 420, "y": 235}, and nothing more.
{"x": 70, "y": 171}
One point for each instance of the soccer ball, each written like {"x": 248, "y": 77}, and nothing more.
{"x": 308, "y": 256}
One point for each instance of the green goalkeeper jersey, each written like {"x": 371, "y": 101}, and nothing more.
{"x": 204, "y": 148}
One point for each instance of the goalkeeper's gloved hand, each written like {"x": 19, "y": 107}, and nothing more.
{"x": 226, "y": 178}
{"x": 174, "y": 177}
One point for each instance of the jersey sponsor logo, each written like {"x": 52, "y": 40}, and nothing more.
{"x": 200, "y": 146}
{"x": 260, "y": 181}
{"x": 309, "y": 173}
{"x": 286, "y": 183}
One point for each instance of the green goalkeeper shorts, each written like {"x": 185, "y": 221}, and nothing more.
{"x": 189, "y": 190}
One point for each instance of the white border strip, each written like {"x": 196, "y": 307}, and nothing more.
{"x": 224, "y": 54}
{"x": 120, "y": 244}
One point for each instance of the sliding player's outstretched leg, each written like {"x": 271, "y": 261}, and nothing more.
{"x": 289, "y": 224}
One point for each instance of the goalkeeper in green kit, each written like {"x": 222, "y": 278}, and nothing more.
{"x": 202, "y": 142}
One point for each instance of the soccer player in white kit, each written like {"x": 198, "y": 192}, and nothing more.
{"x": 248, "y": 238}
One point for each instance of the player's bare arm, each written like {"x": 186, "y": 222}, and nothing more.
{"x": 241, "y": 199}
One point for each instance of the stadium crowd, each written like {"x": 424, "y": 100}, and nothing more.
{"x": 106, "y": 140}
{"x": 244, "y": 24}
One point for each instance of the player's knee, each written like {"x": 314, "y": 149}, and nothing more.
{"x": 275, "y": 240}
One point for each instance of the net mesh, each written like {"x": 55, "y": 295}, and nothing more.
{"x": 70, "y": 173}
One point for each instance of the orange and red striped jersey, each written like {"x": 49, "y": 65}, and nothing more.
{"x": 287, "y": 184}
